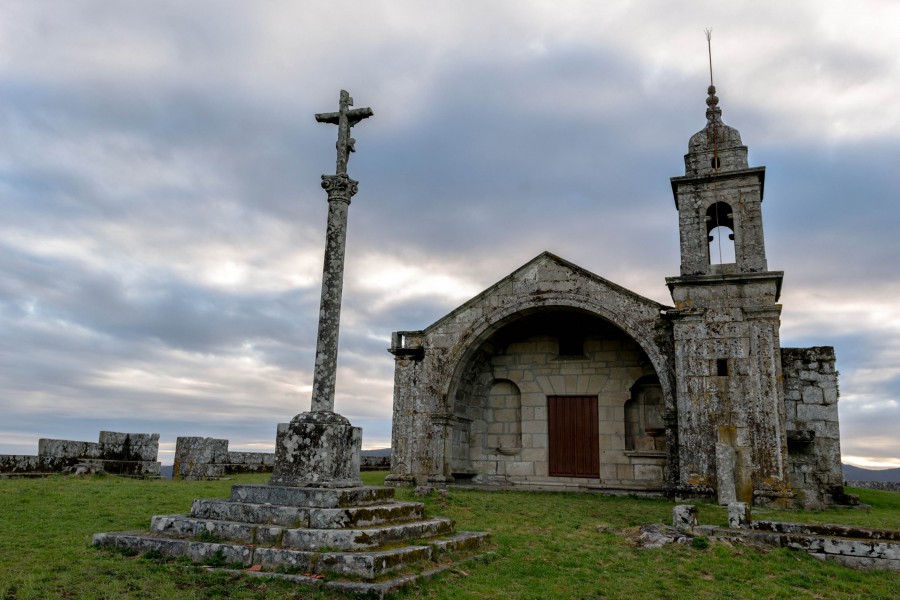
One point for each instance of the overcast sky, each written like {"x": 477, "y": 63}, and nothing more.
{"x": 162, "y": 224}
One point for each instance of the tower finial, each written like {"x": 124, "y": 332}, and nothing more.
{"x": 713, "y": 112}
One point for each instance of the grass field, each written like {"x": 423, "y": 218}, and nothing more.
{"x": 548, "y": 545}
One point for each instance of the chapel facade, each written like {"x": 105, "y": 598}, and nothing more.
{"x": 555, "y": 376}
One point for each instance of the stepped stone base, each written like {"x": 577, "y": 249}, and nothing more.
{"x": 357, "y": 532}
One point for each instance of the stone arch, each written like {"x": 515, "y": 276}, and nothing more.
{"x": 480, "y": 331}
{"x": 488, "y": 412}
{"x": 720, "y": 231}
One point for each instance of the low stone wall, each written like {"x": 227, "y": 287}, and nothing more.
{"x": 375, "y": 463}
{"x": 857, "y": 547}
{"x": 888, "y": 486}
{"x": 198, "y": 458}
{"x": 132, "y": 454}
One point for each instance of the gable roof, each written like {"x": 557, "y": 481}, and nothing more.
{"x": 544, "y": 260}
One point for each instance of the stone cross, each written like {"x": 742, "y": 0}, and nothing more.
{"x": 345, "y": 118}
{"x": 340, "y": 189}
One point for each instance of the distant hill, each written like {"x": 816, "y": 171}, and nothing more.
{"x": 852, "y": 473}
{"x": 376, "y": 452}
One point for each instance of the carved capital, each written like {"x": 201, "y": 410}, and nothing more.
{"x": 339, "y": 187}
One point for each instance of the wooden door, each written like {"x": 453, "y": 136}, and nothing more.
{"x": 574, "y": 436}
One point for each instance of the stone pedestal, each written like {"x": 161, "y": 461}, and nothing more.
{"x": 317, "y": 449}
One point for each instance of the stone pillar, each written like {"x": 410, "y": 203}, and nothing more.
{"x": 739, "y": 515}
{"x": 320, "y": 448}
{"x": 340, "y": 189}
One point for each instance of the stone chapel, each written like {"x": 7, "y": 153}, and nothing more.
{"x": 555, "y": 376}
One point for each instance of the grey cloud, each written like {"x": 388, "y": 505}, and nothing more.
{"x": 184, "y": 133}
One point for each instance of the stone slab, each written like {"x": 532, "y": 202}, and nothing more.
{"x": 311, "y": 496}
{"x": 364, "y": 539}
{"x": 365, "y": 516}
{"x": 247, "y": 512}
{"x": 189, "y": 527}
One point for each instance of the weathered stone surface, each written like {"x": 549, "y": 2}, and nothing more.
{"x": 311, "y": 496}
{"x": 811, "y": 386}
{"x": 726, "y": 465}
{"x": 365, "y": 516}
{"x": 684, "y": 517}
{"x": 132, "y": 454}
{"x": 340, "y": 190}
{"x": 199, "y": 458}
{"x": 889, "y": 486}
{"x": 374, "y": 463}
{"x": 318, "y": 449}
{"x": 739, "y": 515}
{"x": 363, "y": 541}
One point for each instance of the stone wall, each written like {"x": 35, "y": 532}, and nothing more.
{"x": 887, "y": 486}
{"x": 374, "y": 463}
{"x": 199, "y": 458}
{"x": 132, "y": 454}
{"x": 811, "y": 420}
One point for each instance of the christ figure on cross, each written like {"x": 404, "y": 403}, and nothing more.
{"x": 344, "y": 119}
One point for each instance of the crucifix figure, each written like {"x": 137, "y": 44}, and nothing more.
{"x": 340, "y": 189}
{"x": 344, "y": 119}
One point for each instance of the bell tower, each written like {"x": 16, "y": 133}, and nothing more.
{"x": 730, "y": 401}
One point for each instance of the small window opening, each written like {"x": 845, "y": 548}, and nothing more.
{"x": 571, "y": 345}
{"x": 714, "y": 162}
{"x": 722, "y": 367}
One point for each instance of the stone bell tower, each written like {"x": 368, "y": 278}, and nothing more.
{"x": 730, "y": 403}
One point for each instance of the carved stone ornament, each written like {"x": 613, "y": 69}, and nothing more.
{"x": 339, "y": 186}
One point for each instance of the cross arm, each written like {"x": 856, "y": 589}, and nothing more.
{"x": 329, "y": 117}
{"x": 357, "y": 114}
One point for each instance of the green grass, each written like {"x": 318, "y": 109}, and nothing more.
{"x": 548, "y": 545}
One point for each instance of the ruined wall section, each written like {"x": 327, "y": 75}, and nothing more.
{"x": 813, "y": 432}
{"x": 198, "y": 458}
{"x": 430, "y": 365}
{"x": 132, "y": 454}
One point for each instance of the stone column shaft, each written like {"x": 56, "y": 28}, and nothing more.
{"x": 340, "y": 189}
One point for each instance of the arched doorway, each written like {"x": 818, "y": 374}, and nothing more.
{"x": 544, "y": 398}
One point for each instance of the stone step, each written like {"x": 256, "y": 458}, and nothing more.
{"x": 198, "y": 552}
{"x": 250, "y": 512}
{"x": 311, "y": 497}
{"x": 299, "y": 538}
{"x": 365, "y": 565}
{"x": 365, "y": 539}
{"x": 181, "y": 526}
{"x": 316, "y": 518}
{"x": 461, "y": 542}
